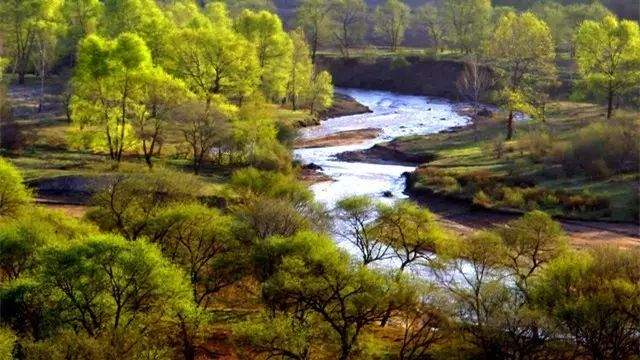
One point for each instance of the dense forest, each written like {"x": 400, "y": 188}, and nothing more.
{"x": 182, "y": 226}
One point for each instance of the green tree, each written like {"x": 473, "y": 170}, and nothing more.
{"x": 391, "y": 22}
{"x": 47, "y": 33}
{"x": 214, "y": 60}
{"x": 313, "y": 276}
{"x": 301, "y": 70}
{"x": 468, "y": 23}
{"x": 313, "y": 16}
{"x": 19, "y": 19}
{"x": 14, "y": 196}
{"x": 129, "y": 202}
{"x": 594, "y": 297}
{"x": 320, "y": 93}
{"x": 430, "y": 20}
{"x": 411, "y": 231}
{"x": 109, "y": 286}
{"x": 273, "y": 47}
{"x": 608, "y": 57}
{"x": 107, "y": 87}
{"x": 81, "y": 18}
{"x": 202, "y": 241}
{"x": 348, "y": 21}
{"x": 522, "y": 49}
{"x": 357, "y": 214}
{"x": 7, "y": 343}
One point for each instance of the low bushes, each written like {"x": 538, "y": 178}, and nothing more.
{"x": 491, "y": 191}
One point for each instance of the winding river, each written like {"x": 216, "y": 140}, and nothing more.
{"x": 396, "y": 115}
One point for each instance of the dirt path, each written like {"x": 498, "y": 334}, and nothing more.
{"x": 460, "y": 217}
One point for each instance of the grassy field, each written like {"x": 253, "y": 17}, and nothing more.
{"x": 472, "y": 161}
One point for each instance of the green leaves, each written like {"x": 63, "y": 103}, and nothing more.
{"x": 13, "y": 194}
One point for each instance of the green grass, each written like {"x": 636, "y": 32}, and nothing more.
{"x": 470, "y": 151}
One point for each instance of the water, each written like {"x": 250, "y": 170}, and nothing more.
{"x": 396, "y": 115}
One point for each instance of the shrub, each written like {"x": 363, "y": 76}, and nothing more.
{"x": 482, "y": 199}
{"x": 7, "y": 343}
{"x": 513, "y": 197}
{"x": 537, "y": 143}
{"x": 13, "y": 194}
{"x": 498, "y": 147}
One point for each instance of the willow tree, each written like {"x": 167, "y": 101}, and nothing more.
{"x": 522, "y": 50}
{"x": 608, "y": 57}
{"x": 468, "y": 23}
{"x": 18, "y": 25}
{"x": 273, "y": 47}
{"x": 313, "y": 16}
{"x": 348, "y": 19}
{"x": 107, "y": 88}
{"x": 392, "y": 20}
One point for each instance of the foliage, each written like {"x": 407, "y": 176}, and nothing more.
{"x": 348, "y": 21}
{"x": 313, "y": 17}
{"x": 608, "y": 57}
{"x": 467, "y": 22}
{"x": 130, "y": 201}
{"x": 7, "y": 343}
{"x": 13, "y": 194}
{"x": 392, "y": 20}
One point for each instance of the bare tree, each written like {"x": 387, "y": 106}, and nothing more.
{"x": 472, "y": 84}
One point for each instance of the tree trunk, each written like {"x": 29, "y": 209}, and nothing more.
{"x": 609, "y": 104}
{"x": 510, "y": 127}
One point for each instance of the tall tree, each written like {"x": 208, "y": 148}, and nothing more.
{"x": 522, "y": 49}
{"x": 273, "y": 47}
{"x": 301, "y": 70}
{"x": 320, "y": 93}
{"x": 468, "y": 23}
{"x": 107, "y": 86}
{"x": 608, "y": 57}
{"x": 313, "y": 16}
{"x": 81, "y": 19}
{"x": 19, "y": 21}
{"x": 348, "y": 21}
{"x": 391, "y": 22}
{"x": 431, "y": 21}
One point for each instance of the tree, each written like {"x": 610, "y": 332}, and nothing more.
{"x": 19, "y": 18}
{"x": 471, "y": 273}
{"x": 356, "y": 215}
{"x": 313, "y": 16}
{"x": 608, "y": 57}
{"x": 313, "y": 276}
{"x": 107, "y": 87}
{"x": 162, "y": 95}
{"x": 301, "y": 70}
{"x": 213, "y": 60}
{"x": 108, "y": 286}
{"x": 273, "y": 47}
{"x": 129, "y": 202}
{"x": 468, "y": 22}
{"x": 474, "y": 82}
{"x": 532, "y": 241}
{"x": 522, "y": 50}
{"x": 411, "y": 231}
{"x": 320, "y": 93}
{"x": 594, "y": 297}
{"x": 202, "y": 242}
{"x": 392, "y": 20}
{"x": 81, "y": 19}
{"x": 46, "y": 37}
{"x": 348, "y": 18}
{"x": 431, "y": 21}
{"x": 14, "y": 196}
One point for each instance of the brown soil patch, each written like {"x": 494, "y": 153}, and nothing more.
{"x": 340, "y": 138}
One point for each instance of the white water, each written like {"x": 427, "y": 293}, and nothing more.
{"x": 397, "y": 115}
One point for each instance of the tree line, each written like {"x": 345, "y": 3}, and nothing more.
{"x": 139, "y": 276}
{"x": 143, "y": 69}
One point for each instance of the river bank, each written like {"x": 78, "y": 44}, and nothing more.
{"x": 441, "y": 140}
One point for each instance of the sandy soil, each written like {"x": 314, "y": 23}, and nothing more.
{"x": 463, "y": 219}
{"x": 340, "y": 138}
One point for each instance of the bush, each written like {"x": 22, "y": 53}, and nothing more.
{"x": 537, "y": 143}
{"x": 482, "y": 199}
{"x": 7, "y": 343}
{"x": 498, "y": 147}
{"x": 13, "y": 194}
{"x": 513, "y": 197}
{"x": 601, "y": 150}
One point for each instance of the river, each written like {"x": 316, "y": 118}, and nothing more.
{"x": 397, "y": 115}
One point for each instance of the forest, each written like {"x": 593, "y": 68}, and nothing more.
{"x": 156, "y": 201}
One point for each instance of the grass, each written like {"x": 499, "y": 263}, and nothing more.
{"x": 468, "y": 152}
